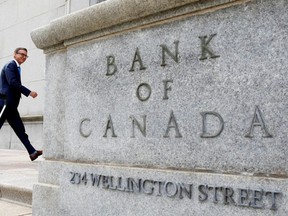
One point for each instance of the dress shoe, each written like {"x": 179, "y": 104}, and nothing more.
{"x": 35, "y": 155}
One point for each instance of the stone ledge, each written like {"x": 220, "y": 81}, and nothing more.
{"x": 112, "y": 14}
{"x": 32, "y": 118}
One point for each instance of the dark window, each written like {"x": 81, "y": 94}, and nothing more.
{"x": 92, "y": 2}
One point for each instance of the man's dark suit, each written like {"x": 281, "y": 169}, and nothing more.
{"x": 11, "y": 86}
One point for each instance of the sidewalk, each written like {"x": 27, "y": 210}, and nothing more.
{"x": 14, "y": 209}
{"x": 17, "y": 177}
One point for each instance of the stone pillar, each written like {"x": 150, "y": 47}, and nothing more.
{"x": 166, "y": 108}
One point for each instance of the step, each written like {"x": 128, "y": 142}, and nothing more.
{"x": 16, "y": 194}
{"x": 18, "y": 174}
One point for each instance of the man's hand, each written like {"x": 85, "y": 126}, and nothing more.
{"x": 33, "y": 94}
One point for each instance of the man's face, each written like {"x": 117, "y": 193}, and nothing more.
{"x": 20, "y": 56}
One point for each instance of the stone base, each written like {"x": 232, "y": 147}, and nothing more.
{"x": 86, "y": 189}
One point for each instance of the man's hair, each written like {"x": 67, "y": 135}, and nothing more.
{"x": 20, "y": 48}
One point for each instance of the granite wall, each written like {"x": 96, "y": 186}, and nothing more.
{"x": 165, "y": 107}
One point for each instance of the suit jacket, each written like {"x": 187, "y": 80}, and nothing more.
{"x": 11, "y": 86}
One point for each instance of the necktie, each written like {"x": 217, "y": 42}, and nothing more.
{"x": 19, "y": 70}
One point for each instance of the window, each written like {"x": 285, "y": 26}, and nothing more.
{"x": 92, "y": 2}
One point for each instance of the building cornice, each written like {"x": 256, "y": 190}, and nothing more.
{"x": 114, "y": 16}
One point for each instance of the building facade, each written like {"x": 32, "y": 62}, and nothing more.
{"x": 17, "y": 19}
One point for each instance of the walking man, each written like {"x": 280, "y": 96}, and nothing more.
{"x": 12, "y": 88}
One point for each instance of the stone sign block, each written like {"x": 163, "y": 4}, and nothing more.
{"x": 171, "y": 108}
